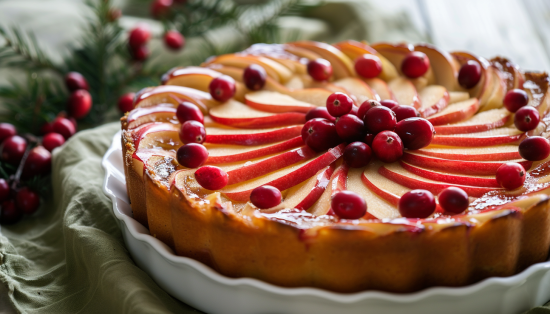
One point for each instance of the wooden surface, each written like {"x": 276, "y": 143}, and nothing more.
{"x": 515, "y": 29}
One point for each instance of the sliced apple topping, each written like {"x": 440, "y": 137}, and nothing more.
{"x": 433, "y": 99}
{"x": 276, "y": 102}
{"x": 404, "y": 92}
{"x": 232, "y": 136}
{"x": 511, "y": 72}
{"x": 234, "y": 113}
{"x": 455, "y": 113}
{"x": 445, "y": 68}
{"x": 159, "y": 113}
{"x": 483, "y": 181}
{"x": 275, "y": 70}
{"x": 192, "y": 77}
{"x": 341, "y": 64}
{"x": 394, "y": 53}
{"x": 357, "y": 88}
{"x": 455, "y": 97}
{"x": 483, "y": 121}
{"x": 536, "y": 86}
{"x": 223, "y": 153}
{"x": 154, "y": 135}
{"x": 152, "y": 96}
{"x": 498, "y": 93}
{"x": 487, "y": 138}
{"x": 382, "y": 186}
{"x": 489, "y": 153}
{"x": 353, "y": 49}
{"x": 380, "y": 88}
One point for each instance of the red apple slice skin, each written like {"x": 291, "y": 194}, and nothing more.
{"x": 475, "y": 141}
{"x": 464, "y": 110}
{"x": 445, "y": 67}
{"x": 341, "y": 64}
{"x": 160, "y": 113}
{"x": 297, "y": 176}
{"x": 340, "y": 179}
{"x": 500, "y": 119}
{"x": 450, "y": 178}
{"x": 248, "y": 172}
{"x": 404, "y": 92}
{"x": 259, "y": 100}
{"x": 155, "y": 127}
{"x": 323, "y": 179}
{"x": 473, "y": 157}
{"x": 429, "y": 108}
{"x": 434, "y": 187}
{"x": 273, "y": 149}
{"x": 457, "y": 166}
{"x": 151, "y": 96}
{"x": 389, "y": 197}
{"x": 268, "y": 137}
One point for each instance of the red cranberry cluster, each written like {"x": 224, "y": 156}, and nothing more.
{"x": 421, "y": 203}
{"x": 140, "y": 36}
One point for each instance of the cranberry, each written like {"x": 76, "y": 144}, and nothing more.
{"x": 10, "y": 213}
{"x": 64, "y": 127}
{"x": 453, "y": 200}
{"x": 515, "y": 99}
{"x": 6, "y": 130}
{"x": 469, "y": 74}
{"x": 222, "y": 88}
{"x": 319, "y": 69}
{"x": 38, "y": 162}
{"x": 188, "y": 111}
{"x": 192, "y": 132}
{"x": 348, "y": 205}
{"x": 139, "y": 36}
{"x": 369, "y": 137}
{"x": 365, "y": 106}
{"x": 379, "y": 119}
{"x": 46, "y": 128}
{"x": 52, "y": 140}
{"x": 266, "y": 196}
{"x": 254, "y": 77}
{"x": 339, "y": 104}
{"x": 126, "y": 102}
{"x": 192, "y": 155}
{"x": 354, "y": 111}
{"x": 403, "y": 112}
{"x": 211, "y": 177}
{"x": 390, "y": 104}
{"x": 534, "y": 148}
{"x": 174, "y": 40}
{"x": 387, "y": 146}
{"x": 510, "y": 175}
{"x": 357, "y": 154}
{"x": 13, "y": 149}
{"x": 368, "y": 66}
{"x": 27, "y": 201}
{"x": 79, "y": 104}
{"x": 417, "y": 204}
{"x": 415, "y": 132}
{"x": 4, "y": 190}
{"x": 415, "y": 64}
{"x": 75, "y": 81}
{"x": 160, "y": 8}
{"x": 319, "y": 112}
{"x": 320, "y": 134}
{"x": 350, "y": 128}
{"x": 526, "y": 119}
{"x": 140, "y": 53}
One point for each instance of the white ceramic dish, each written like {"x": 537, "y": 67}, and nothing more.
{"x": 204, "y": 289}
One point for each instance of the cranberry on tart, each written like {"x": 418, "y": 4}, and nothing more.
{"x": 281, "y": 163}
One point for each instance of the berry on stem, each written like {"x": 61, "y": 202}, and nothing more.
{"x": 469, "y": 74}
{"x": 140, "y": 53}
{"x": 192, "y": 155}
{"x": 9, "y": 213}
{"x": 534, "y": 148}
{"x": 188, "y": 111}
{"x": 415, "y": 64}
{"x": 211, "y": 177}
{"x": 27, "y": 201}
{"x": 339, "y": 104}
{"x": 52, "y": 140}
{"x": 80, "y": 103}
{"x": 320, "y": 134}
{"x": 266, "y": 196}
{"x": 139, "y": 36}
{"x": 6, "y": 130}
{"x": 4, "y": 190}
{"x": 357, "y": 154}
{"x": 403, "y": 112}
{"x": 160, "y": 8}
{"x": 75, "y": 81}
{"x": 453, "y": 200}
{"x": 192, "y": 132}
{"x": 350, "y": 128}
{"x": 254, "y": 77}
{"x": 348, "y": 205}
{"x": 511, "y": 175}
{"x": 174, "y": 40}
{"x": 415, "y": 132}
{"x": 64, "y": 127}
{"x": 126, "y": 102}
{"x": 319, "y": 69}
{"x": 515, "y": 99}
{"x": 222, "y": 88}
{"x": 319, "y": 112}
{"x": 387, "y": 146}
{"x": 38, "y": 162}
{"x": 368, "y": 66}
{"x": 380, "y": 118}
{"x": 13, "y": 149}
{"x": 527, "y": 118}
{"x": 417, "y": 204}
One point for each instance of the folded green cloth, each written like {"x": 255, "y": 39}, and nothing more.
{"x": 70, "y": 256}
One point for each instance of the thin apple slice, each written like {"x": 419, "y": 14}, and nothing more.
{"x": 444, "y": 66}
{"x": 536, "y": 86}
{"x": 275, "y": 70}
{"x": 342, "y": 66}
{"x": 315, "y": 96}
{"x": 286, "y": 177}
{"x": 232, "y": 136}
{"x": 151, "y": 96}
{"x": 164, "y": 135}
{"x": 276, "y": 102}
{"x": 357, "y": 88}
{"x": 512, "y": 74}
{"x": 455, "y": 97}
{"x": 159, "y": 113}
{"x": 495, "y": 101}
{"x": 337, "y": 183}
{"x": 386, "y": 189}
{"x": 458, "y": 166}
{"x": 456, "y": 112}
{"x": 404, "y": 92}
{"x": 433, "y": 99}
{"x": 380, "y": 88}
{"x": 484, "y": 87}
{"x": 192, "y": 77}
{"x": 487, "y": 138}
{"x": 483, "y": 121}
{"x": 353, "y": 49}
{"x": 251, "y": 170}
{"x": 482, "y": 181}
{"x": 236, "y": 114}
{"x": 141, "y": 157}
{"x": 218, "y": 154}
{"x": 396, "y": 173}
{"x": 490, "y": 153}
{"x": 394, "y": 53}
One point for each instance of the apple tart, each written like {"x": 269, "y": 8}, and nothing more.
{"x": 345, "y": 167}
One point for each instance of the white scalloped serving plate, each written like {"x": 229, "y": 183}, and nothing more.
{"x": 208, "y": 291}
